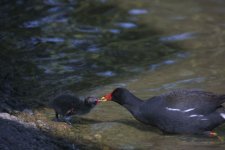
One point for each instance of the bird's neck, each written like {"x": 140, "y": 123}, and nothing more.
{"x": 132, "y": 103}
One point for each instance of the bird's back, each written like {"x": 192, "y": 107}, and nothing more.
{"x": 182, "y": 111}
{"x": 63, "y": 103}
{"x": 199, "y": 101}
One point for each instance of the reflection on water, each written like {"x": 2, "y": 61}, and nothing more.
{"x": 175, "y": 85}
{"x": 78, "y": 44}
{"x": 178, "y": 57}
{"x": 177, "y": 37}
{"x": 150, "y": 47}
{"x": 137, "y": 11}
{"x": 126, "y": 25}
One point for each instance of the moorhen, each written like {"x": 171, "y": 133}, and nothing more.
{"x": 67, "y": 105}
{"x": 177, "y": 112}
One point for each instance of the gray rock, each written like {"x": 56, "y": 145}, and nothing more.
{"x": 28, "y": 111}
{"x": 19, "y": 135}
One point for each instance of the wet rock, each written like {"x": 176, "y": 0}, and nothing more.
{"x": 43, "y": 126}
{"x": 8, "y": 117}
{"x": 28, "y": 111}
{"x": 98, "y": 136}
{"x": 16, "y": 134}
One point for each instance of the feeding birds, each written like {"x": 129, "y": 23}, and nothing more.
{"x": 67, "y": 105}
{"x": 177, "y": 112}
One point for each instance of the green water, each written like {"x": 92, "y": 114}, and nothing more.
{"x": 92, "y": 47}
{"x": 64, "y": 45}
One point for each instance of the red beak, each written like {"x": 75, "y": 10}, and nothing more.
{"x": 105, "y": 98}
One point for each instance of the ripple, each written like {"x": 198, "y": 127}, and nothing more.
{"x": 185, "y": 81}
{"x": 71, "y": 79}
{"x": 32, "y": 24}
{"x": 49, "y": 19}
{"x": 182, "y": 55}
{"x": 137, "y": 11}
{"x": 174, "y": 85}
{"x": 36, "y": 40}
{"x": 54, "y": 66}
{"x": 106, "y": 74}
{"x": 178, "y": 37}
{"x": 153, "y": 67}
{"x": 52, "y": 2}
{"x": 54, "y": 9}
{"x": 60, "y": 57}
{"x": 93, "y": 49}
{"x": 126, "y": 25}
{"x": 58, "y": 68}
{"x": 89, "y": 29}
{"x": 169, "y": 62}
{"x": 52, "y": 40}
{"x": 64, "y": 81}
{"x": 114, "y": 31}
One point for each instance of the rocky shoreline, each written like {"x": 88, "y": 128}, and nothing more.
{"x": 25, "y": 125}
{"x": 17, "y": 134}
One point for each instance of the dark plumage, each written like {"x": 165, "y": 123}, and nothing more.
{"x": 68, "y": 105}
{"x": 180, "y": 111}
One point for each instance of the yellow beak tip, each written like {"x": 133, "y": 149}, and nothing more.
{"x": 103, "y": 99}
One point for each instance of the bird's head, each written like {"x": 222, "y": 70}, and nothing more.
{"x": 91, "y": 101}
{"x": 118, "y": 95}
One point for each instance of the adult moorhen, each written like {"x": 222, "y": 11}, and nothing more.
{"x": 67, "y": 105}
{"x": 177, "y": 112}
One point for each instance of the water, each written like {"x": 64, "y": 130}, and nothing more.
{"x": 92, "y": 47}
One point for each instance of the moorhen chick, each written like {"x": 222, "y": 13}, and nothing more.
{"x": 177, "y": 112}
{"x": 67, "y": 105}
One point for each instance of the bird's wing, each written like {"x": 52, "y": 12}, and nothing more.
{"x": 202, "y": 102}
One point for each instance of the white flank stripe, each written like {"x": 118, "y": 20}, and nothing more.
{"x": 222, "y": 115}
{"x": 193, "y": 115}
{"x": 196, "y": 115}
{"x": 172, "y": 109}
{"x": 187, "y": 110}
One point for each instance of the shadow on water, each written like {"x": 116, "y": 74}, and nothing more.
{"x": 131, "y": 123}
{"x": 134, "y": 124}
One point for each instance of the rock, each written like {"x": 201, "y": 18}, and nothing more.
{"x": 16, "y": 134}
{"x": 28, "y": 111}
{"x": 8, "y": 117}
{"x": 98, "y": 136}
{"x": 42, "y": 125}
{"x": 14, "y": 118}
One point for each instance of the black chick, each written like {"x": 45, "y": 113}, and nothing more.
{"x": 67, "y": 105}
